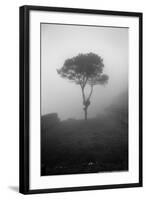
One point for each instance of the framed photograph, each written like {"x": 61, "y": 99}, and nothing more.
{"x": 80, "y": 99}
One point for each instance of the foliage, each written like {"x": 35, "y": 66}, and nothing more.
{"x": 84, "y": 69}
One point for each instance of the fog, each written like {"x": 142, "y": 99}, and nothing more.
{"x": 60, "y": 42}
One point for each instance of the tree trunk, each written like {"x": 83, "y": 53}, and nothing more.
{"x": 86, "y": 102}
{"x": 85, "y": 113}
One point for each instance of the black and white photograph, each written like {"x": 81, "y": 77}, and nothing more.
{"x": 80, "y": 99}
{"x": 84, "y": 99}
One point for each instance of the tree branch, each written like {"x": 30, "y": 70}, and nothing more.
{"x": 91, "y": 91}
{"x": 83, "y": 95}
{"x": 85, "y": 81}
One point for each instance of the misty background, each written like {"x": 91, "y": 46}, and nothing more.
{"x": 69, "y": 143}
{"x": 60, "y": 42}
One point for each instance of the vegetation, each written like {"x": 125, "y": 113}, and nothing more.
{"x": 84, "y": 69}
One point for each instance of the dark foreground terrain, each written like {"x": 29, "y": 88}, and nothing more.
{"x": 79, "y": 146}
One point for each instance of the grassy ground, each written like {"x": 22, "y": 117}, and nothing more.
{"x": 78, "y": 146}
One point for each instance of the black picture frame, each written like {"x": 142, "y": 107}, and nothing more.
{"x": 25, "y": 94}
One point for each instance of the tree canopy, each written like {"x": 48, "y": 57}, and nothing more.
{"x": 84, "y": 69}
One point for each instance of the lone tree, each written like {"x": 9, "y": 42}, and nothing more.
{"x": 84, "y": 69}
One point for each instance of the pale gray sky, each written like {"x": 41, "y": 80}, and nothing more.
{"x": 59, "y": 42}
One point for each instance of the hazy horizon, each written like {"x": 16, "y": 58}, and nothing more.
{"x": 60, "y": 42}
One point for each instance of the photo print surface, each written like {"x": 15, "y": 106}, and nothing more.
{"x": 84, "y": 99}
